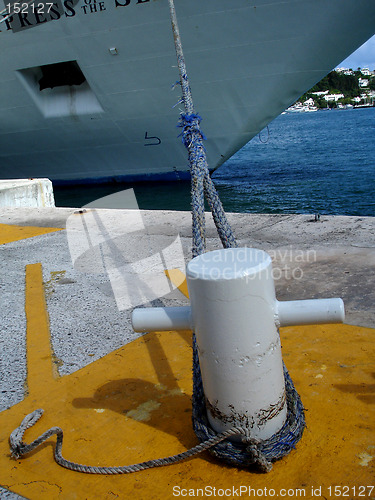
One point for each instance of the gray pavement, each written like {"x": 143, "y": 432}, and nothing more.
{"x": 334, "y": 257}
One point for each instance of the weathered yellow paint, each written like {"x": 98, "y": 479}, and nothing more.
{"x": 365, "y": 459}
{"x": 49, "y": 285}
{"x": 38, "y": 346}
{"x": 178, "y": 279}
{"x": 9, "y": 233}
{"x": 95, "y": 408}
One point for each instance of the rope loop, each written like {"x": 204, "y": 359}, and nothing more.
{"x": 19, "y": 448}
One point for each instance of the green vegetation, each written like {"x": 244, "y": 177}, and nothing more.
{"x": 336, "y": 82}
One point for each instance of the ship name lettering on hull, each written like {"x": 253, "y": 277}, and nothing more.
{"x": 21, "y": 21}
{"x": 59, "y": 9}
{"x": 92, "y": 6}
{"x": 125, "y": 3}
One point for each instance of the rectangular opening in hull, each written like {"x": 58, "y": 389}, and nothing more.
{"x": 59, "y": 90}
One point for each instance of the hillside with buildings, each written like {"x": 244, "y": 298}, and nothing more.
{"x": 341, "y": 88}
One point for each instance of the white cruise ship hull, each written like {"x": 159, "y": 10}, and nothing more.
{"x": 247, "y": 62}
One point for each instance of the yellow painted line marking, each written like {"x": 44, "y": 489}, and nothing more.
{"x": 38, "y": 340}
{"x": 135, "y": 404}
{"x": 9, "y": 233}
{"x": 177, "y": 277}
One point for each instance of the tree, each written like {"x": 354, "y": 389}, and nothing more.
{"x": 338, "y": 83}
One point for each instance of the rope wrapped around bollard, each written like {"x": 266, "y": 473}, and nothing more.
{"x": 259, "y": 453}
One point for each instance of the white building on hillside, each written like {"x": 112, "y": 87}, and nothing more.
{"x": 333, "y": 97}
{"x": 363, "y": 82}
{"x": 345, "y": 71}
{"x": 309, "y": 102}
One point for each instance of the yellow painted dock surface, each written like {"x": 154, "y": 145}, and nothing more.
{"x": 13, "y": 232}
{"x": 135, "y": 404}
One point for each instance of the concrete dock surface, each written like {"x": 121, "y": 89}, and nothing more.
{"x": 84, "y": 257}
{"x": 334, "y": 256}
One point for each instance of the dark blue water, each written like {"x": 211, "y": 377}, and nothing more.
{"x": 312, "y": 162}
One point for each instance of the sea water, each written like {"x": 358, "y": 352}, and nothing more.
{"x": 305, "y": 163}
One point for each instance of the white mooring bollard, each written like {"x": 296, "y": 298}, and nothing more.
{"x": 235, "y": 316}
